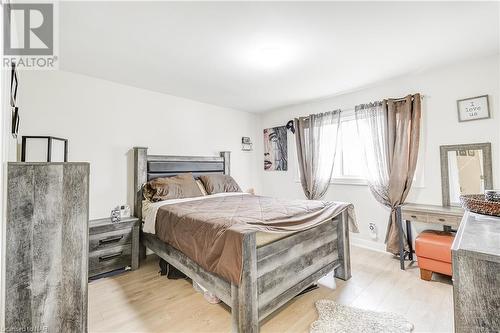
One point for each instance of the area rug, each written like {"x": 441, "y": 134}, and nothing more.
{"x": 338, "y": 318}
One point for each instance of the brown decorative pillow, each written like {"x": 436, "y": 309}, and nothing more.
{"x": 219, "y": 184}
{"x": 176, "y": 187}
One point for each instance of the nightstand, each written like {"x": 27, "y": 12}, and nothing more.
{"x": 113, "y": 245}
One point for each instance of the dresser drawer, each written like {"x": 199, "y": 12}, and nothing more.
{"x": 415, "y": 216}
{"x": 109, "y": 239}
{"x": 450, "y": 220}
{"x": 110, "y": 259}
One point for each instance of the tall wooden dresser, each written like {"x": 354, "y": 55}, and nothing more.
{"x": 476, "y": 274}
{"x": 46, "y": 247}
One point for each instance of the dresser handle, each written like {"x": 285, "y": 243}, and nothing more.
{"x": 441, "y": 219}
{"x": 110, "y": 240}
{"x": 414, "y": 216}
{"x": 110, "y": 256}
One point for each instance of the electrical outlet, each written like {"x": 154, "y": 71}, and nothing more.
{"x": 373, "y": 230}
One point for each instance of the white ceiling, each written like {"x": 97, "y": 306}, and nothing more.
{"x": 262, "y": 55}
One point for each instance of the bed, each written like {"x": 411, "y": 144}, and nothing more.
{"x": 274, "y": 270}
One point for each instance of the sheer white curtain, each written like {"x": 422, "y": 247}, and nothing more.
{"x": 316, "y": 140}
{"x": 371, "y": 120}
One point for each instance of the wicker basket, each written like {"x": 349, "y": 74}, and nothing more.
{"x": 476, "y": 203}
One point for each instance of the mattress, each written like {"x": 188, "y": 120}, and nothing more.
{"x": 150, "y": 210}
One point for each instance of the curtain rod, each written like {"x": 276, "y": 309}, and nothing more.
{"x": 402, "y": 98}
{"x": 289, "y": 126}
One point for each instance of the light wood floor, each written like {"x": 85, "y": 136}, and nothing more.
{"x": 143, "y": 301}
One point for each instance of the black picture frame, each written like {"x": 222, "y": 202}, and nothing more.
{"x": 14, "y": 83}
{"x": 15, "y": 121}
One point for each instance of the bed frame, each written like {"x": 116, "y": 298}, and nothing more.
{"x": 273, "y": 273}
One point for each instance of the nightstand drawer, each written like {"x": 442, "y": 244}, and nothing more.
{"x": 110, "y": 259}
{"x": 415, "y": 216}
{"x": 110, "y": 239}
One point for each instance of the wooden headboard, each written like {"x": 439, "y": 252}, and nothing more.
{"x": 147, "y": 167}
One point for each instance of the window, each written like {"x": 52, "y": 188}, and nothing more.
{"x": 349, "y": 160}
{"x": 349, "y": 165}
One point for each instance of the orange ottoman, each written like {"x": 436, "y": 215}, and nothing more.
{"x": 433, "y": 249}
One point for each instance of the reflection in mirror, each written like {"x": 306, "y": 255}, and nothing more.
{"x": 465, "y": 168}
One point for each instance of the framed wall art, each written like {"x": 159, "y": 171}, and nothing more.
{"x": 473, "y": 108}
{"x": 13, "y": 100}
{"x": 275, "y": 149}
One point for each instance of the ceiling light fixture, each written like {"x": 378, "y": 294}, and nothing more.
{"x": 270, "y": 57}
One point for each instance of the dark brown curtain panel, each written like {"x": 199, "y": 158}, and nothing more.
{"x": 390, "y": 134}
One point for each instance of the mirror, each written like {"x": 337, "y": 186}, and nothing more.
{"x": 465, "y": 169}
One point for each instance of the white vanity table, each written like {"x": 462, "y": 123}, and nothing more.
{"x": 449, "y": 217}
{"x": 446, "y": 216}
{"x": 465, "y": 169}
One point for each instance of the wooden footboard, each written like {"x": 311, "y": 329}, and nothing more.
{"x": 291, "y": 262}
{"x": 272, "y": 274}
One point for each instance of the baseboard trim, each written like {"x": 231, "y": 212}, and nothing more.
{"x": 368, "y": 244}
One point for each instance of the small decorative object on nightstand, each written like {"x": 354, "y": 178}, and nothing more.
{"x": 113, "y": 245}
{"x": 115, "y": 215}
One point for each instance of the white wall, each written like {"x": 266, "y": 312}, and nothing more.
{"x": 104, "y": 120}
{"x": 4, "y": 139}
{"x": 441, "y": 88}
{"x": 7, "y": 153}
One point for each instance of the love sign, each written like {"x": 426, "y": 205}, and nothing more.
{"x": 473, "y": 108}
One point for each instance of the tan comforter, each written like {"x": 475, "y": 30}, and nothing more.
{"x": 210, "y": 231}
